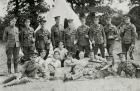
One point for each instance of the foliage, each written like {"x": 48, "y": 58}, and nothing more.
{"x": 24, "y": 9}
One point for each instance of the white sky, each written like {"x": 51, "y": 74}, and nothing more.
{"x": 123, "y": 6}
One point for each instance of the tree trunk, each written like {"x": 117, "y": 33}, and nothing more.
{"x": 34, "y": 14}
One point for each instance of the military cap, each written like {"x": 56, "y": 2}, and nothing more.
{"x": 126, "y": 17}
{"x": 43, "y": 21}
{"x": 33, "y": 53}
{"x": 56, "y": 17}
{"x": 42, "y": 50}
{"x": 109, "y": 56}
{"x": 70, "y": 54}
{"x": 121, "y": 54}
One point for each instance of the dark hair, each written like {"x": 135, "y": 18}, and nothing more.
{"x": 56, "y": 52}
{"x": 70, "y": 54}
{"x": 27, "y": 19}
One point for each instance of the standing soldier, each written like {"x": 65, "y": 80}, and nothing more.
{"x": 57, "y": 32}
{"x": 128, "y": 37}
{"x": 111, "y": 35}
{"x": 43, "y": 37}
{"x": 97, "y": 37}
{"x": 27, "y": 39}
{"x": 11, "y": 36}
{"x": 70, "y": 36}
{"x": 83, "y": 37}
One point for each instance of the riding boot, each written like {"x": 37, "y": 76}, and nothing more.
{"x": 9, "y": 66}
{"x": 16, "y": 67}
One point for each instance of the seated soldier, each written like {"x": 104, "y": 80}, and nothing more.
{"x": 93, "y": 66}
{"x": 63, "y": 52}
{"x": 82, "y": 60}
{"x": 75, "y": 73}
{"x": 128, "y": 67}
{"x": 108, "y": 69}
{"x": 28, "y": 72}
{"x": 55, "y": 60}
{"x": 70, "y": 61}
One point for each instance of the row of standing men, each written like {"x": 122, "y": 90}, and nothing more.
{"x": 81, "y": 38}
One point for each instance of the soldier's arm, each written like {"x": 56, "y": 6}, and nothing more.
{"x": 64, "y": 38}
{"x": 115, "y": 32}
{"x": 104, "y": 36}
{"x": 134, "y": 34}
{"x": 52, "y": 36}
{"x": 91, "y": 38}
{"x": 119, "y": 70}
{"x": 21, "y": 36}
{"x": 5, "y": 35}
{"x": 49, "y": 35}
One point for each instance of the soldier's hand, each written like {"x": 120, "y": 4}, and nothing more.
{"x": 93, "y": 42}
{"x": 49, "y": 41}
{"x": 75, "y": 41}
{"x": 86, "y": 36}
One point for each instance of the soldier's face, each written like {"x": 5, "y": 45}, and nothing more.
{"x": 91, "y": 55}
{"x": 108, "y": 21}
{"x": 56, "y": 55}
{"x": 83, "y": 21}
{"x": 13, "y": 22}
{"x": 70, "y": 24}
{"x": 122, "y": 58}
{"x": 27, "y": 23}
{"x": 96, "y": 21}
{"x": 81, "y": 55}
{"x": 42, "y": 25}
{"x": 61, "y": 45}
{"x": 127, "y": 20}
{"x": 69, "y": 57}
{"x": 57, "y": 20}
{"x": 33, "y": 58}
{"x": 42, "y": 54}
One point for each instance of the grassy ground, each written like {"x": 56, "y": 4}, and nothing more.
{"x": 110, "y": 84}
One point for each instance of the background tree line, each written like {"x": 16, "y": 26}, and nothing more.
{"x": 32, "y": 8}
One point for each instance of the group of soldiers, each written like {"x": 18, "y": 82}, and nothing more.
{"x": 85, "y": 40}
{"x": 80, "y": 39}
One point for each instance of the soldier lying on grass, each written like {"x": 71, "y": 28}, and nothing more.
{"x": 29, "y": 72}
{"x": 93, "y": 70}
{"x": 128, "y": 67}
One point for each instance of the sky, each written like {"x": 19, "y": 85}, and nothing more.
{"x": 3, "y": 6}
{"x": 123, "y": 6}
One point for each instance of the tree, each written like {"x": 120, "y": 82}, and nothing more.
{"x": 24, "y": 9}
{"x": 90, "y": 7}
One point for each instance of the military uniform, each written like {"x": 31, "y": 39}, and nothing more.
{"x": 83, "y": 39}
{"x": 97, "y": 34}
{"x": 69, "y": 38}
{"x": 128, "y": 36}
{"x": 57, "y": 34}
{"x": 42, "y": 41}
{"x": 128, "y": 68}
{"x": 34, "y": 67}
{"x": 11, "y": 36}
{"x": 27, "y": 39}
{"x": 111, "y": 35}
